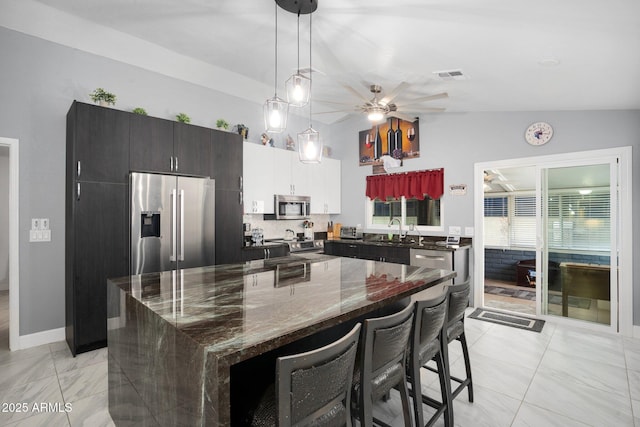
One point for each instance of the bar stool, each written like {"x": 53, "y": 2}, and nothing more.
{"x": 312, "y": 388}
{"x": 427, "y": 336}
{"x": 382, "y": 365}
{"x": 458, "y": 296}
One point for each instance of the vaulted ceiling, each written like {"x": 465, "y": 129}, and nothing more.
{"x": 515, "y": 55}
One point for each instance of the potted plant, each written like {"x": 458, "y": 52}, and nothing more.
{"x": 183, "y": 118}
{"x": 102, "y": 97}
{"x": 139, "y": 110}
{"x": 222, "y": 124}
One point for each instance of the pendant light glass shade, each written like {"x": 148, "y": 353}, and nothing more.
{"x": 309, "y": 146}
{"x": 309, "y": 143}
{"x": 298, "y": 86}
{"x": 276, "y": 111}
{"x": 298, "y": 90}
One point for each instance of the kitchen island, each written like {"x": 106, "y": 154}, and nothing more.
{"x": 183, "y": 344}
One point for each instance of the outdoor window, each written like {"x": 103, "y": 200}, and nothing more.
{"x": 576, "y": 221}
{"x": 425, "y": 214}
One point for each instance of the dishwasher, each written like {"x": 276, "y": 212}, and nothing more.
{"x": 455, "y": 259}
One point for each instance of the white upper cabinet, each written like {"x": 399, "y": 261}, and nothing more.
{"x": 258, "y": 178}
{"x": 269, "y": 171}
{"x": 325, "y": 187}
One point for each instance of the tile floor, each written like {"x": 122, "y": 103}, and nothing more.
{"x": 559, "y": 377}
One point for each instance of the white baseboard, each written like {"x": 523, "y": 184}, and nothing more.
{"x": 40, "y": 338}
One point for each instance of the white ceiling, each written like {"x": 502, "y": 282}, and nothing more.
{"x": 501, "y": 45}
{"x": 524, "y": 178}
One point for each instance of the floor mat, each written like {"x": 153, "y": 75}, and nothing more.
{"x": 512, "y": 320}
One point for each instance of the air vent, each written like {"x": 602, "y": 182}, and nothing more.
{"x": 451, "y": 75}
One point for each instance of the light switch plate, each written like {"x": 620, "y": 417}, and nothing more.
{"x": 454, "y": 230}
{"x": 468, "y": 231}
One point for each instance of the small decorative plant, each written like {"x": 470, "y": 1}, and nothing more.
{"x": 139, "y": 110}
{"x": 183, "y": 118}
{"x": 102, "y": 97}
{"x": 222, "y": 124}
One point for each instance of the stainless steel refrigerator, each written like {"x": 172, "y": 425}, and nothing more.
{"x": 172, "y": 222}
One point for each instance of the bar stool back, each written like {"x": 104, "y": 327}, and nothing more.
{"x": 382, "y": 364}
{"x": 458, "y": 302}
{"x": 312, "y": 388}
{"x": 427, "y": 337}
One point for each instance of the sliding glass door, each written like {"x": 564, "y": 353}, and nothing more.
{"x": 577, "y": 241}
{"x": 550, "y": 238}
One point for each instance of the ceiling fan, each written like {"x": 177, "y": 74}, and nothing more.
{"x": 379, "y": 108}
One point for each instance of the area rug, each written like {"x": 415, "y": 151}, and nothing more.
{"x": 512, "y": 320}
{"x": 529, "y": 295}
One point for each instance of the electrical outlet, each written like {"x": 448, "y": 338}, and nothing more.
{"x": 454, "y": 230}
{"x": 44, "y": 223}
{"x": 468, "y": 231}
{"x": 35, "y": 223}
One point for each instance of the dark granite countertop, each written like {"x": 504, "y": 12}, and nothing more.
{"x": 411, "y": 243}
{"x": 180, "y": 342}
{"x": 239, "y": 310}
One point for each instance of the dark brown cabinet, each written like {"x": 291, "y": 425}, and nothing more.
{"x": 103, "y": 146}
{"x": 192, "y": 150}
{"x": 100, "y": 250}
{"x": 100, "y": 143}
{"x": 151, "y": 144}
{"x": 264, "y": 252}
{"x": 227, "y": 160}
{"x": 229, "y": 236}
{"x": 163, "y": 146}
{"x": 396, "y": 254}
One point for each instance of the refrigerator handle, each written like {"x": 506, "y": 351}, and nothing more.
{"x": 171, "y": 163}
{"x": 181, "y": 254}
{"x": 173, "y": 226}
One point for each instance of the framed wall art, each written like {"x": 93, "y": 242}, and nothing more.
{"x": 397, "y": 138}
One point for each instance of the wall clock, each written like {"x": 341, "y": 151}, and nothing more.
{"x": 538, "y": 133}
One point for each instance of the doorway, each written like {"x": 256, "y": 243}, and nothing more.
{"x": 9, "y": 300}
{"x": 548, "y": 225}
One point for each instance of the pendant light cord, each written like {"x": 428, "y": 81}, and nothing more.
{"x": 298, "y": 42}
{"x": 310, "y": 67}
{"x": 275, "y": 80}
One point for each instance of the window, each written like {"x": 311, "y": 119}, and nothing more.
{"x": 576, "y": 221}
{"x": 425, "y": 214}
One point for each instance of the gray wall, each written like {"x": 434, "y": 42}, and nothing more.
{"x": 4, "y": 218}
{"x": 38, "y": 82}
{"x": 40, "y": 79}
{"x": 456, "y": 141}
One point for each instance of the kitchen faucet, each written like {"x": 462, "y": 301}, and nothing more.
{"x": 401, "y": 236}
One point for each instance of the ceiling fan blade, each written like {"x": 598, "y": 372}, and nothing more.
{"x": 355, "y": 92}
{"x": 422, "y": 110}
{"x": 425, "y": 98}
{"x": 395, "y": 92}
{"x": 323, "y": 101}
{"x": 401, "y": 116}
{"x": 333, "y": 112}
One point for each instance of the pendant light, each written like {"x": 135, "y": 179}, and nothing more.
{"x": 309, "y": 143}
{"x": 298, "y": 85}
{"x": 276, "y": 110}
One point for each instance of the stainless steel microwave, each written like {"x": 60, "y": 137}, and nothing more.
{"x": 292, "y": 207}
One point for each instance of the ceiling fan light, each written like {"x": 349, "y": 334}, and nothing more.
{"x": 375, "y": 115}
{"x": 309, "y": 146}
{"x": 276, "y": 111}
{"x": 298, "y": 90}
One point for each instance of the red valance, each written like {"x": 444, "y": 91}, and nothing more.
{"x": 411, "y": 185}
